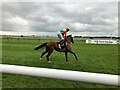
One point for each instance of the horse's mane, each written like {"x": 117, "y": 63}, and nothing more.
{"x": 69, "y": 36}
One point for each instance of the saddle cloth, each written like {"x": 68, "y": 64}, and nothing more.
{"x": 61, "y": 45}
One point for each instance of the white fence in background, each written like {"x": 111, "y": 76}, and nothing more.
{"x": 61, "y": 74}
{"x": 103, "y": 41}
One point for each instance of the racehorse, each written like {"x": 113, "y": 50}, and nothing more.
{"x": 51, "y": 46}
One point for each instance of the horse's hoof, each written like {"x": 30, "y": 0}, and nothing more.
{"x": 49, "y": 61}
{"x": 40, "y": 58}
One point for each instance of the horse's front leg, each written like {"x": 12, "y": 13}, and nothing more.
{"x": 66, "y": 56}
{"x": 74, "y": 55}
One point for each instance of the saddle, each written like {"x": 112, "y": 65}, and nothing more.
{"x": 62, "y": 44}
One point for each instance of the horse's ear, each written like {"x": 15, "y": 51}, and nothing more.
{"x": 70, "y": 35}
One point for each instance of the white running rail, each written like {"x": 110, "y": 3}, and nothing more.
{"x": 61, "y": 74}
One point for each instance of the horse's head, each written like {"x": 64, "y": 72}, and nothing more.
{"x": 69, "y": 37}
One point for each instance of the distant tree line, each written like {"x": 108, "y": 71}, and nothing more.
{"x": 92, "y": 37}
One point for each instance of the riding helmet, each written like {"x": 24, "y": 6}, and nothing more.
{"x": 67, "y": 29}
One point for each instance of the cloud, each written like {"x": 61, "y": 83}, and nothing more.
{"x": 83, "y": 18}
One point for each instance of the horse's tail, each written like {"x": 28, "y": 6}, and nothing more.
{"x": 40, "y": 46}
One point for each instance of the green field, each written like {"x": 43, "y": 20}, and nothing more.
{"x": 92, "y": 58}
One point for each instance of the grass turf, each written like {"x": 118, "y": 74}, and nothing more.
{"x": 92, "y": 58}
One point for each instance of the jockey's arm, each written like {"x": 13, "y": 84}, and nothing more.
{"x": 65, "y": 34}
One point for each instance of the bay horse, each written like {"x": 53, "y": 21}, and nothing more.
{"x": 51, "y": 46}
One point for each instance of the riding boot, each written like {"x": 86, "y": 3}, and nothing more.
{"x": 63, "y": 44}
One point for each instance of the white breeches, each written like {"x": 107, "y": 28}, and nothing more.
{"x": 60, "y": 36}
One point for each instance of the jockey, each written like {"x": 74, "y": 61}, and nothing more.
{"x": 62, "y": 33}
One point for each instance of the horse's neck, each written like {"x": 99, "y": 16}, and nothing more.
{"x": 68, "y": 40}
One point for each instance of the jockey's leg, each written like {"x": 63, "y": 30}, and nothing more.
{"x": 61, "y": 38}
{"x": 64, "y": 43}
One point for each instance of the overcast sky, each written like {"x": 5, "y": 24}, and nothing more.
{"x": 46, "y": 18}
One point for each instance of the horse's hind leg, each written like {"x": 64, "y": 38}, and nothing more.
{"x": 43, "y": 54}
{"x": 47, "y": 56}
